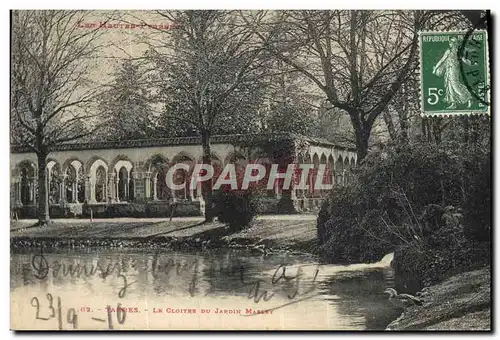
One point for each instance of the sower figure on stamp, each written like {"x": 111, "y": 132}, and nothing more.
{"x": 455, "y": 91}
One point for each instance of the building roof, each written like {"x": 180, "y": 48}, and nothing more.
{"x": 195, "y": 140}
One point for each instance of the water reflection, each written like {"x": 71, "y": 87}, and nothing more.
{"x": 361, "y": 293}
{"x": 347, "y": 297}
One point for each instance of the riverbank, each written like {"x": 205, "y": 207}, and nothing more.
{"x": 267, "y": 233}
{"x": 461, "y": 302}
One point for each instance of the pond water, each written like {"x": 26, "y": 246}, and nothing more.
{"x": 206, "y": 290}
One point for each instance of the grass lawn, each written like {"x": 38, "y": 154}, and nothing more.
{"x": 109, "y": 229}
{"x": 282, "y": 230}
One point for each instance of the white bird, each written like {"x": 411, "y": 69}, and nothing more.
{"x": 423, "y": 292}
{"x": 402, "y": 300}
{"x": 261, "y": 248}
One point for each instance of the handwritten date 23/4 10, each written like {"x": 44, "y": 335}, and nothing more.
{"x": 50, "y": 308}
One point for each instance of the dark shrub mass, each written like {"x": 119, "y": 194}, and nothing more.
{"x": 428, "y": 202}
{"x": 238, "y": 208}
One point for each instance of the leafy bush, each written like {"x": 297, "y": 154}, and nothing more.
{"x": 477, "y": 200}
{"x": 238, "y": 208}
{"x": 448, "y": 251}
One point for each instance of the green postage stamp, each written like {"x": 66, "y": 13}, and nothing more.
{"x": 454, "y": 73}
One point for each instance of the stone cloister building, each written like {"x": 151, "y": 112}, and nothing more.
{"x": 127, "y": 178}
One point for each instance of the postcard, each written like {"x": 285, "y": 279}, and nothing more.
{"x": 250, "y": 170}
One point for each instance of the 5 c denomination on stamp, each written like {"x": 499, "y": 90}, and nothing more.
{"x": 454, "y": 73}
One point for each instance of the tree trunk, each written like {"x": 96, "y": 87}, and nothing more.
{"x": 206, "y": 186}
{"x": 362, "y": 138}
{"x": 43, "y": 202}
{"x": 423, "y": 127}
{"x": 362, "y": 132}
{"x": 390, "y": 125}
{"x": 437, "y": 130}
{"x": 405, "y": 126}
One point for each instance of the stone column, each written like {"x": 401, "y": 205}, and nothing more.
{"x": 89, "y": 190}
{"x": 126, "y": 190}
{"x": 36, "y": 193}
{"x": 112, "y": 188}
{"x": 13, "y": 193}
{"x": 147, "y": 185}
{"x": 188, "y": 186}
{"x": 62, "y": 189}
{"x": 131, "y": 195}
{"x": 32, "y": 192}
{"x": 74, "y": 187}
{"x": 324, "y": 180}
{"x": 74, "y": 192}
{"x": 293, "y": 190}
{"x": 310, "y": 191}
{"x": 18, "y": 191}
{"x": 301, "y": 192}
{"x": 138, "y": 193}
{"x": 199, "y": 191}
{"x": 106, "y": 191}
{"x": 155, "y": 193}
{"x": 277, "y": 189}
{"x": 116, "y": 188}
{"x": 332, "y": 174}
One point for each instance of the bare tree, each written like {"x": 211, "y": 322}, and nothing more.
{"x": 51, "y": 58}
{"x": 207, "y": 71}
{"x": 403, "y": 110}
{"x": 402, "y": 114}
{"x": 359, "y": 59}
{"x": 287, "y": 107}
{"x": 125, "y": 105}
